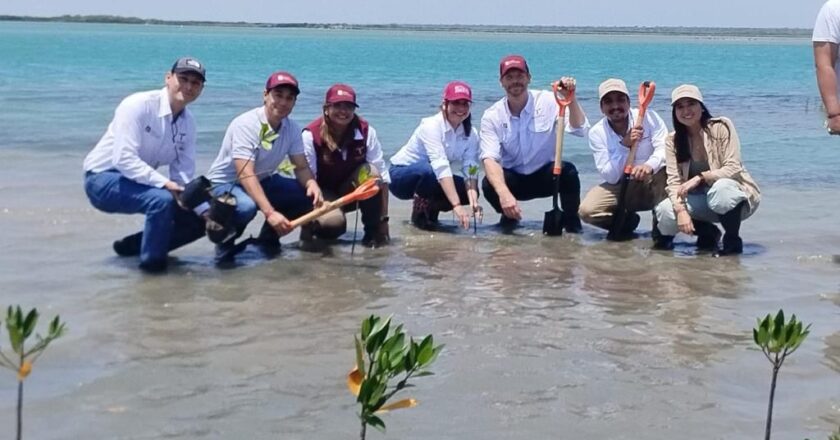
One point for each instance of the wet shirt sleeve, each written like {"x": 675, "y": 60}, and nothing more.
{"x": 374, "y": 155}
{"x": 608, "y": 162}
{"x": 827, "y": 25}
{"x": 129, "y": 122}
{"x": 490, "y": 145}
{"x": 309, "y": 151}
{"x": 431, "y": 137}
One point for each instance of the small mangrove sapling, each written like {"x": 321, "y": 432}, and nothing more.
{"x": 20, "y": 327}
{"x": 777, "y": 341}
{"x": 384, "y": 353}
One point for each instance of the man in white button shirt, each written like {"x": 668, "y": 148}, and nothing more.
{"x": 517, "y": 146}
{"x": 610, "y": 140}
{"x": 826, "y": 40}
{"x": 149, "y": 130}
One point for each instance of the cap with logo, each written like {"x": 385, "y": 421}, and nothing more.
{"x": 341, "y": 93}
{"x": 281, "y": 78}
{"x": 456, "y": 90}
{"x": 512, "y": 62}
{"x": 189, "y": 65}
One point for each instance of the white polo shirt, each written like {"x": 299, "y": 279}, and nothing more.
{"x": 610, "y": 155}
{"x": 436, "y": 142}
{"x": 827, "y": 29}
{"x": 525, "y": 143}
{"x": 242, "y": 141}
{"x": 143, "y": 137}
{"x": 373, "y": 154}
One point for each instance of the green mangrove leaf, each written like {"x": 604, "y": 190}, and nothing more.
{"x": 376, "y": 422}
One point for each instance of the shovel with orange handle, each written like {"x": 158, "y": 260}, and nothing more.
{"x": 553, "y": 220}
{"x": 646, "y": 90}
{"x": 364, "y": 191}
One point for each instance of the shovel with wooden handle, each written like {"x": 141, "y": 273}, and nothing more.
{"x": 620, "y": 214}
{"x": 553, "y": 220}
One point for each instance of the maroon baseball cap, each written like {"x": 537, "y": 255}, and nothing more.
{"x": 341, "y": 93}
{"x": 280, "y": 78}
{"x": 456, "y": 90}
{"x": 512, "y": 62}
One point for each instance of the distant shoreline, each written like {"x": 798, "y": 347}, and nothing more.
{"x": 704, "y": 32}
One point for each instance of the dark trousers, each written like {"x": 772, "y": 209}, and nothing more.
{"x": 333, "y": 224}
{"x": 538, "y": 185}
{"x": 420, "y": 179}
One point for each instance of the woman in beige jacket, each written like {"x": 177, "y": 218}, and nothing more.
{"x": 707, "y": 182}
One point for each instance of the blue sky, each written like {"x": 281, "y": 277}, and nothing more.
{"x": 735, "y": 13}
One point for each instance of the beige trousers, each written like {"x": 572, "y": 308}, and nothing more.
{"x": 642, "y": 195}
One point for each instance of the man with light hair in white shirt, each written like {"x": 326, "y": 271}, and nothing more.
{"x": 149, "y": 130}
{"x": 517, "y": 146}
{"x": 610, "y": 140}
{"x": 826, "y": 40}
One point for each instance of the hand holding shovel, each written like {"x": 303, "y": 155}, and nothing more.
{"x": 646, "y": 91}
{"x": 553, "y": 220}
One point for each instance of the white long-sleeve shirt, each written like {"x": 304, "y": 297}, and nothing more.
{"x": 143, "y": 137}
{"x": 436, "y": 142}
{"x": 373, "y": 154}
{"x": 610, "y": 155}
{"x": 525, "y": 143}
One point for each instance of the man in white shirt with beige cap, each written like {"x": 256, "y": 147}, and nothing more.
{"x": 610, "y": 140}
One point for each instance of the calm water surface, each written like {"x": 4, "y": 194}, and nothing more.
{"x": 546, "y": 338}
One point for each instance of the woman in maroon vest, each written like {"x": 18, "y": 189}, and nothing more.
{"x": 339, "y": 145}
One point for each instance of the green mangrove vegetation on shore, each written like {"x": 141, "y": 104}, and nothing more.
{"x": 705, "y": 32}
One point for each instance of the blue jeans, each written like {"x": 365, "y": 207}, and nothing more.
{"x": 708, "y": 205}
{"x": 166, "y": 223}
{"x": 285, "y": 195}
{"x": 420, "y": 179}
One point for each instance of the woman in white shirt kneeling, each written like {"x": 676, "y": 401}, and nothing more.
{"x": 423, "y": 168}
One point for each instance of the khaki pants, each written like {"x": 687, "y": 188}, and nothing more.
{"x": 600, "y": 202}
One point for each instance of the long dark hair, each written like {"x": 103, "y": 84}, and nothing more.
{"x": 467, "y": 123}
{"x": 681, "y": 145}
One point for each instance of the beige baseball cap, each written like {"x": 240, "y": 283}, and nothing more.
{"x": 612, "y": 85}
{"x": 686, "y": 91}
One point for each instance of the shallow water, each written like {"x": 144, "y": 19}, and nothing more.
{"x": 562, "y": 337}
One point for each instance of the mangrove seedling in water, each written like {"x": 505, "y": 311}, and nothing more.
{"x": 20, "y": 327}
{"x": 473, "y": 171}
{"x": 778, "y": 340}
{"x": 383, "y": 353}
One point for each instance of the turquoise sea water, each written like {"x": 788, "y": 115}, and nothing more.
{"x": 566, "y": 337}
{"x": 59, "y": 83}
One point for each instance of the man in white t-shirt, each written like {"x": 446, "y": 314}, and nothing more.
{"x": 255, "y": 144}
{"x": 826, "y": 39}
{"x": 517, "y": 146}
{"x": 149, "y": 130}
{"x": 610, "y": 140}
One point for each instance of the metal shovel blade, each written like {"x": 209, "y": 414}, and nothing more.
{"x": 553, "y": 222}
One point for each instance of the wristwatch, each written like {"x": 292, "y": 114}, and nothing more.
{"x": 384, "y": 219}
